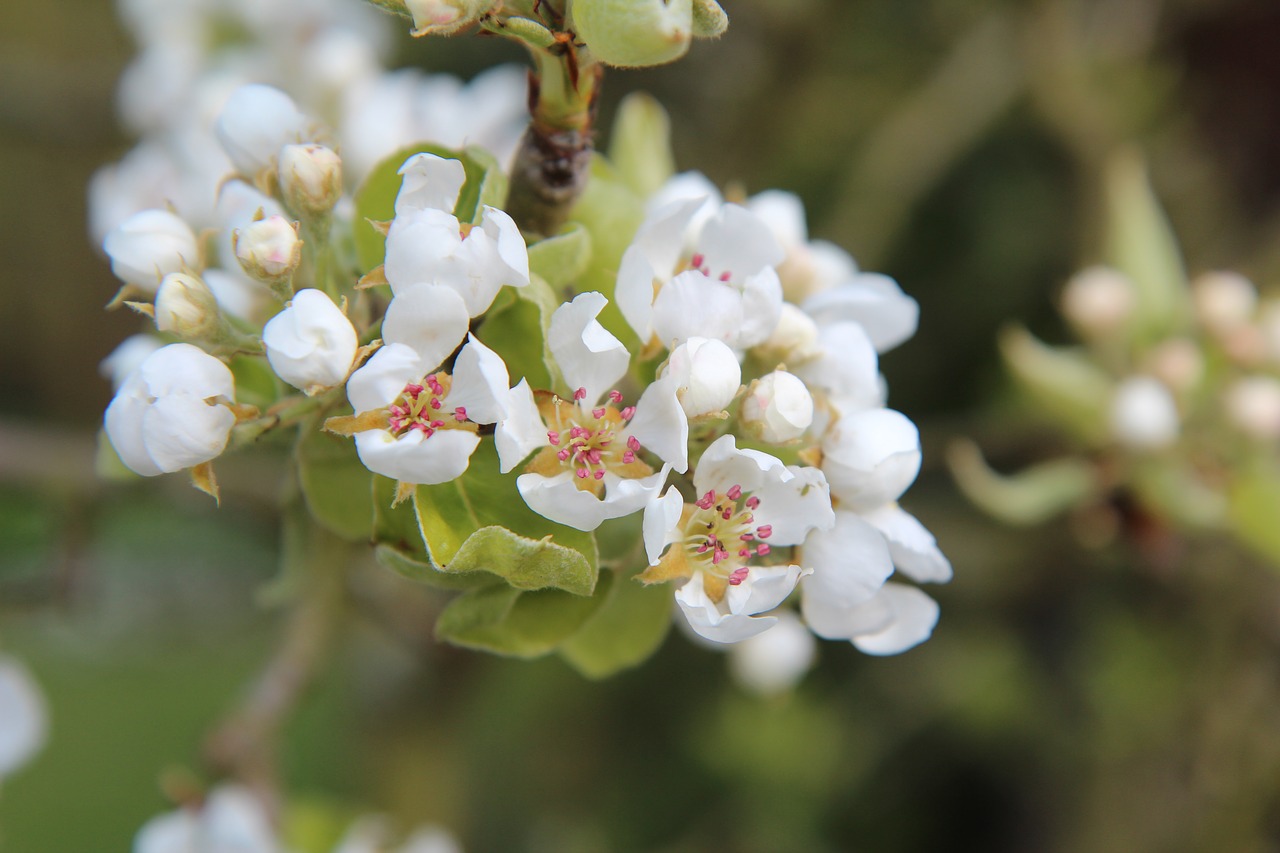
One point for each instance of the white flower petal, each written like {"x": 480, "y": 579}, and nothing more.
{"x": 421, "y": 246}
{"x": 692, "y": 305}
{"x": 761, "y": 308}
{"x": 714, "y": 621}
{"x": 834, "y": 621}
{"x": 311, "y": 343}
{"x": 706, "y": 374}
{"x": 22, "y": 710}
{"x": 588, "y": 355}
{"x": 521, "y": 430}
{"x": 480, "y": 382}
{"x": 660, "y": 424}
{"x": 123, "y": 423}
{"x": 430, "y": 318}
{"x": 559, "y": 499}
{"x": 873, "y": 301}
{"x": 735, "y": 240}
{"x": 186, "y": 369}
{"x": 871, "y": 457}
{"x": 764, "y": 588}
{"x": 256, "y": 122}
{"x": 509, "y": 245}
{"x": 411, "y": 458}
{"x": 382, "y": 378}
{"x": 148, "y": 246}
{"x": 851, "y": 563}
{"x": 914, "y": 550}
{"x": 845, "y": 366}
{"x": 429, "y": 182}
{"x": 794, "y": 504}
{"x": 181, "y": 431}
{"x": 914, "y": 616}
{"x": 775, "y": 661}
{"x": 661, "y": 520}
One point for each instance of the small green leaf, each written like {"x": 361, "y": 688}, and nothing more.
{"x": 1141, "y": 244}
{"x": 518, "y": 334}
{"x": 507, "y": 621}
{"x": 561, "y": 260}
{"x": 1064, "y": 383}
{"x": 335, "y": 484}
{"x": 256, "y": 384}
{"x": 1176, "y": 489}
{"x": 376, "y": 198}
{"x": 611, "y": 212}
{"x": 640, "y": 144}
{"x": 627, "y": 628}
{"x": 478, "y": 522}
{"x": 410, "y": 567}
{"x": 1029, "y": 497}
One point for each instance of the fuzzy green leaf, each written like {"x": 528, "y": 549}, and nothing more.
{"x": 561, "y": 260}
{"x": 478, "y": 522}
{"x": 376, "y": 198}
{"x": 640, "y": 144}
{"x": 611, "y": 211}
{"x": 627, "y": 628}
{"x": 412, "y": 567}
{"x": 335, "y": 484}
{"x": 508, "y": 621}
{"x": 518, "y": 334}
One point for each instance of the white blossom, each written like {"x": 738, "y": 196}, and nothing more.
{"x": 148, "y": 246}
{"x": 871, "y": 457}
{"x": 706, "y": 374}
{"x": 777, "y": 408}
{"x": 269, "y": 250}
{"x": 850, "y": 562}
{"x": 1144, "y": 415}
{"x": 255, "y": 123}
{"x": 231, "y": 820}
{"x": 310, "y": 344}
{"x": 774, "y": 662}
{"x": 186, "y": 307}
{"x": 23, "y": 718}
{"x": 873, "y": 301}
{"x": 1099, "y": 300}
{"x": 169, "y": 414}
{"x": 310, "y": 178}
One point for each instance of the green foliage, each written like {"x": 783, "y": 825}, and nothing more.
{"x": 561, "y": 260}
{"x": 518, "y": 333}
{"x": 628, "y": 627}
{"x": 508, "y": 621}
{"x": 478, "y": 523}
{"x": 1065, "y": 383}
{"x": 611, "y": 211}
{"x": 1255, "y": 508}
{"x": 411, "y": 566}
{"x": 256, "y": 384}
{"x": 376, "y": 199}
{"x": 640, "y": 144}
{"x": 1029, "y": 497}
{"x": 335, "y": 483}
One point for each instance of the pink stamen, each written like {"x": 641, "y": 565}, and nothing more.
{"x": 697, "y": 260}
{"x": 764, "y": 531}
{"x": 580, "y": 394}
{"x": 702, "y": 549}
{"x": 563, "y": 455}
{"x": 437, "y": 424}
{"x": 599, "y": 475}
{"x": 753, "y": 502}
{"x": 628, "y": 413}
{"x": 734, "y": 493}
{"x": 593, "y": 456}
{"x": 739, "y": 575}
{"x": 615, "y": 396}
{"x": 412, "y": 389}
{"x": 743, "y": 552}
{"x": 460, "y": 413}
{"x": 706, "y": 500}
{"x": 727, "y": 514}
{"x": 634, "y": 444}
{"x": 725, "y": 276}
{"x": 628, "y": 457}
{"x": 762, "y": 550}
{"x": 718, "y": 556}
{"x": 582, "y": 473}
{"x": 746, "y": 537}
{"x": 553, "y": 437}
{"x": 435, "y": 403}
{"x": 598, "y": 412}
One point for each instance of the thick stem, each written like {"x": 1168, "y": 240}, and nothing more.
{"x": 554, "y": 158}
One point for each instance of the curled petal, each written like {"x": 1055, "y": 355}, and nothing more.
{"x": 480, "y": 383}
{"x": 430, "y": 318}
{"x": 559, "y": 499}
{"x": 412, "y": 458}
{"x": 589, "y": 356}
{"x": 873, "y": 301}
{"x": 521, "y": 430}
{"x": 914, "y": 550}
{"x": 660, "y": 424}
{"x": 429, "y": 182}
{"x": 851, "y": 563}
{"x": 382, "y": 378}
{"x": 913, "y": 617}
{"x": 181, "y": 431}
{"x": 661, "y": 520}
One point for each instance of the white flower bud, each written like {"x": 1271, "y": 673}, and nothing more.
{"x": 1224, "y": 301}
{"x": 1253, "y": 405}
{"x": 168, "y": 415}
{"x": 1098, "y": 301}
{"x": 125, "y": 358}
{"x": 871, "y": 457}
{"x": 1178, "y": 363}
{"x": 775, "y": 661}
{"x": 707, "y": 375}
{"x": 442, "y": 17}
{"x": 269, "y": 250}
{"x": 256, "y": 122}
{"x": 311, "y": 344}
{"x": 186, "y": 307}
{"x": 778, "y": 408}
{"x": 310, "y": 178}
{"x": 1144, "y": 415}
{"x": 634, "y": 33}
{"x": 794, "y": 339}
{"x": 148, "y": 246}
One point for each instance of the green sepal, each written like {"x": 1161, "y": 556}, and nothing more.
{"x": 376, "y": 198}
{"x": 508, "y": 621}
{"x": 478, "y": 522}
{"x": 625, "y": 631}
{"x": 1065, "y": 384}
{"x": 561, "y": 260}
{"x": 1031, "y": 496}
{"x": 640, "y": 144}
{"x": 335, "y": 484}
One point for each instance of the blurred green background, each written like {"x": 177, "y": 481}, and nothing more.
{"x": 1118, "y": 697}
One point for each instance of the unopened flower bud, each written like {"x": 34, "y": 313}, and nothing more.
{"x": 1253, "y": 405}
{"x": 269, "y": 250}
{"x": 633, "y": 33}
{"x": 1098, "y": 301}
{"x": 871, "y": 457}
{"x": 311, "y": 344}
{"x": 1224, "y": 301}
{"x": 256, "y": 122}
{"x": 774, "y": 662}
{"x": 186, "y": 307}
{"x": 707, "y": 375}
{"x": 442, "y": 17}
{"x": 148, "y": 246}
{"x": 310, "y": 179}
{"x": 778, "y": 408}
{"x": 794, "y": 339}
{"x": 1178, "y": 363}
{"x": 1144, "y": 415}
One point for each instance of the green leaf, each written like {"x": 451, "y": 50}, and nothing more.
{"x": 561, "y": 260}
{"x": 376, "y": 198}
{"x": 411, "y": 567}
{"x": 640, "y": 144}
{"x": 1141, "y": 244}
{"x": 335, "y": 483}
{"x": 627, "y": 628}
{"x": 1254, "y": 508}
{"x": 479, "y": 522}
{"x": 1065, "y": 384}
{"x": 507, "y": 621}
{"x": 518, "y": 334}
{"x": 1177, "y": 490}
{"x": 1029, "y": 497}
{"x": 396, "y": 526}
{"x": 611, "y": 211}
{"x": 256, "y": 384}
